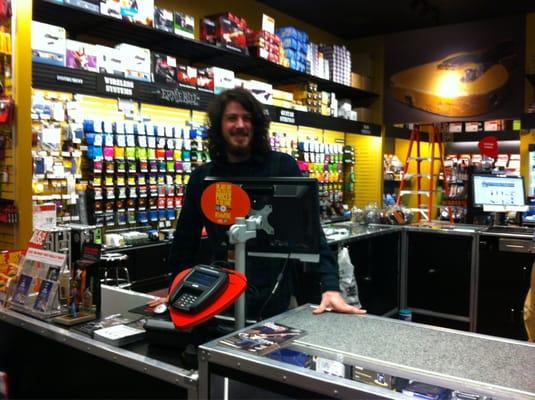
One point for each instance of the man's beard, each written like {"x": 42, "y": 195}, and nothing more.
{"x": 238, "y": 151}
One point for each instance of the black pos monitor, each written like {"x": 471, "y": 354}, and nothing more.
{"x": 289, "y": 207}
{"x": 282, "y": 221}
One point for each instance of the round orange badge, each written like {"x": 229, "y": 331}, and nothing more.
{"x": 223, "y": 202}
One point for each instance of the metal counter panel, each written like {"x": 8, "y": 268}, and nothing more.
{"x": 161, "y": 370}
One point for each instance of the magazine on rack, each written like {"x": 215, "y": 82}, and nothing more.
{"x": 37, "y": 284}
{"x": 264, "y": 338}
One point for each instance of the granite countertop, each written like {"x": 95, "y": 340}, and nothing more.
{"x": 347, "y": 231}
{"x": 466, "y": 359}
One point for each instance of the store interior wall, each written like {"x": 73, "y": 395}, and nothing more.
{"x": 527, "y": 136}
{"x": 369, "y": 150}
{"x": 368, "y": 168}
{"x": 22, "y": 60}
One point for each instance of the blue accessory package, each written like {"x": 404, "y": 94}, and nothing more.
{"x": 171, "y": 214}
{"x": 90, "y": 139}
{"x": 142, "y": 217}
{"x": 89, "y": 125}
{"x": 153, "y": 215}
{"x": 39, "y": 166}
{"x": 97, "y": 152}
{"x": 291, "y": 357}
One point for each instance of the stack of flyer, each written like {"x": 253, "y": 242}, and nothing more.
{"x": 120, "y": 335}
{"x": 36, "y": 290}
{"x": 263, "y": 339}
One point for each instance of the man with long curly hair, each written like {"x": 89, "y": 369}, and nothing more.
{"x": 238, "y": 142}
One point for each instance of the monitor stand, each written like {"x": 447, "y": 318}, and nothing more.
{"x": 239, "y": 234}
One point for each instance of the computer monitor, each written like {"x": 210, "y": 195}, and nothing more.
{"x": 499, "y": 193}
{"x": 294, "y": 216}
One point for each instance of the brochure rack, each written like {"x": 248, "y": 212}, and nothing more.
{"x": 36, "y": 290}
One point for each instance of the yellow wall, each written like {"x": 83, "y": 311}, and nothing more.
{"x": 23, "y": 91}
{"x": 368, "y": 168}
{"x": 526, "y": 138}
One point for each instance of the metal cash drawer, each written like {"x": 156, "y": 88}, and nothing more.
{"x": 516, "y": 245}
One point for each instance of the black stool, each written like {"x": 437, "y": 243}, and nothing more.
{"x": 116, "y": 264}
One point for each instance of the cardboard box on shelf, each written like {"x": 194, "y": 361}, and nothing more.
{"x": 164, "y": 68}
{"x": 262, "y": 91}
{"x": 282, "y": 103}
{"x": 283, "y": 95}
{"x": 184, "y": 25}
{"x": 240, "y": 83}
{"x": 48, "y": 43}
{"x": 109, "y": 61}
{"x": 111, "y": 8}
{"x": 145, "y": 12}
{"x": 129, "y": 9}
{"x": 205, "y": 79}
{"x": 223, "y": 79}
{"x": 136, "y": 61}
{"x": 163, "y": 19}
{"x": 208, "y": 30}
{"x": 140, "y": 12}
{"x": 225, "y": 29}
{"x": 80, "y": 55}
{"x": 187, "y": 75}
{"x": 88, "y": 5}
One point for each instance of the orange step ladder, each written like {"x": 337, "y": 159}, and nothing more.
{"x": 424, "y": 209}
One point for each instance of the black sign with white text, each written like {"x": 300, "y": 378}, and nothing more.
{"x": 85, "y": 82}
{"x": 116, "y": 86}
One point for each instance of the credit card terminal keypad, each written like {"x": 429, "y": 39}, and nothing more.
{"x": 185, "y": 301}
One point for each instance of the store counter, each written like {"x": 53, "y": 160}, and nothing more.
{"x": 65, "y": 363}
{"x": 466, "y": 362}
{"x": 343, "y": 233}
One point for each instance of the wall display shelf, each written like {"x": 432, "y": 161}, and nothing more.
{"x": 528, "y": 121}
{"x": 477, "y": 136}
{"x": 85, "y": 82}
{"x": 78, "y": 21}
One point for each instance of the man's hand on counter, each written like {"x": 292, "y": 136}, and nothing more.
{"x": 333, "y": 301}
{"x": 157, "y": 301}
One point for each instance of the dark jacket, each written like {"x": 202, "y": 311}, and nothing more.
{"x": 261, "y": 273}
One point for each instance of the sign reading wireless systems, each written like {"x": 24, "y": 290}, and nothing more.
{"x": 115, "y": 86}
{"x": 149, "y": 92}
